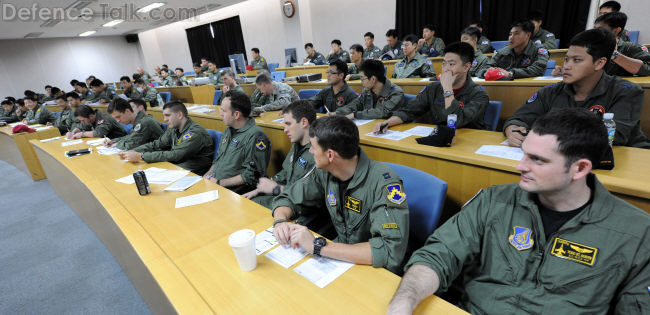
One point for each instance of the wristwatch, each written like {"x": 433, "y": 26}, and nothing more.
{"x": 276, "y": 190}
{"x": 319, "y": 243}
{"x": 448, "y": 94}
{"x": 614, "y": 55}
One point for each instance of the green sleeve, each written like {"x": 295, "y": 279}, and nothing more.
{"x": 307, "y": 193}
{"x": 102, "y": 130}
{"x": 527, "y": 114}
{"x": 284, "y": 99}
{"x": 427, "y": 70}
{"x": 472, "y": 111}
{"x": 317, "y": 100}
{"x": 162, "y": 143}
{"x": 418, "y": 106}
{"x": 176, "y": 154}
{"x": 385, "y": 109}
{"x": 439, "y": 45}
{"x": 151, "y": 95}
{"x": 47, "y": 116}
{"x": 536, "y": 69}
{"x": 549, "y": 41}
{"x": 481, "y": 66}
{"x": 626, "y": 107}
{"x": 136, "y": 138}
{"x": 351, "y": 107}
{"x": 644, "y": 56}
{"x": 254, "y": 163}
{"x": 632, "y": 297}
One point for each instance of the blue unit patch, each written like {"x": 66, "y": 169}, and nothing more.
{"x": 532, "y": 98}
{"x": 234, "y": 142}
{"x": 521, "y": 238}
{"x": 331, "y": 199}
{"x": 261, "y": 144}
{"x": 395, "y": 194}
{"x": 302, "y": 163}
{"x": 187, "y": 135}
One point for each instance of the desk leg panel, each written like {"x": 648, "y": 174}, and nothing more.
{"x": 10, "y": 153}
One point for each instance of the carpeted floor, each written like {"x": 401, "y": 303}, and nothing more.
{"x": 50, "y": 261}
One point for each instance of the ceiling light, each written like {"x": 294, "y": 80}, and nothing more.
{"x": 84, "y": 34}
{"x": 113, "y": 23}
{"x": 78, "y": 5}
{"x": 151, "y": 7}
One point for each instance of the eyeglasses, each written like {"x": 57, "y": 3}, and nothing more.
{"x": 331, "y": 72}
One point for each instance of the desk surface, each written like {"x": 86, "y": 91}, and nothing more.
{"x": 186, "y": 249}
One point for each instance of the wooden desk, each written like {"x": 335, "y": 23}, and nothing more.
{"x": 56, "y": 109}
{"x": 179, "y": 259}
{"x": 16, "y": 150}
{"x": 199, "y": 94}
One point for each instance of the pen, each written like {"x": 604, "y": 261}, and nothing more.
{"x": 327, "y": 109}
{"x": 523, "y": 133}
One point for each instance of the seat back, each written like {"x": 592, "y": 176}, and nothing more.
{"x": 278, "y": 75}
{"x": 155, "y": 83}
{"x": 217, "y": 96}
{"x": 164, "y": 126}
{"x": 166, "y": 97}
{"x": 492, "y": 113}
{"x": 634, "y": 36}
{"x": 128, "y": 128}
{"x": 307, "y": 93}
{"x": 498, "y": 44}
{"x": 216, "y": 137}
{"x": 273, "y": 66}
{"x": 408, "y": 97}
{"x": 557, "y": 43}
{"x": 425, "y": 195}
{"x": 189, "y": 73}
{"x": 550, "y": 65}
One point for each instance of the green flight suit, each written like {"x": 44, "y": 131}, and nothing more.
{"x": 317, "y": 59}
{"x": 631, "y": 50}
{"x": 215, "y": 78}
{"x": 107, "y": 95}
{"x": 598, "y": 262}
{"x": 353, "y": 71}
{"x": 530, "y": 63}
{"x": 145, "y": 130}
{"x": 40, "y": 115}
{"x": 258, "y": 98}
{"x": 236, "y": 88}
{"x": 372, "y": 209}
{"x": 89, "y": 96}
{"x": 191, "y": 148}
{"x": 417, "y": 67}
{"x": 480, "y": 62}
{"x": 42, "y": 98}
{"x": 184, "y": 80}
{"x": 371, "y": 106}
{"x": 544, "y": 39}
{"x": 131, "y": 92}
{"x": 327, "y": 98}
{"x": 64, "y": 121}
{"x": 611, "y": 95}
{"x": 469, "y": 105}
{"x": 435, "y": 49}
{"x": 484, "y": 45}
{"x": 259, "y": 63}
{"x": 149, "y": 94}
{"x": 106, "y": 126}
{"x": 244, "y": 151}
{"x": 298, "y": 164}
{"x": 10, "y": 116}
{"x": 168, "y": 81}
{"x": 342, "y": 55}
{"x": 146, "y": 77}
{"x": 397, "y": 51}
{"x": 371, "y": 53}
{"x": 283, "y": 95}
{"x": 75, "y": 123}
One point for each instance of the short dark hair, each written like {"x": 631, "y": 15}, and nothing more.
{"x": 255, "y": 50}
{"x": 337, "y": 133}
{"x": 613, "y": 19}
{"x": 125, "y": 78}
{"x": 62, "y": 97}
{"x": 525, "y": 25}
{"x": 11, "y": 99}
{"x": 239, "y": 102}
{"x": 580, "y": 133}
{"x": 48, "y": 86}
{"x": 369, "y": 34}
{"x": 165, "y": 66}
{"x": 204, "y": 58}
{"x": 536, "y": 15}
{"x": 136, "y": 76}
{"x": 8, "y": 102}
{"x": 341, "y": 66}
{"x": 164, "y": 70}
{"x": 478, "y": 23}
{"x": 82, "y": 85}
{"x": 357, "y": 47}
{"x": 179, "y": 68}
{"x": 411, "y": 38}
{"x": 309, "y": 45}
{"x": 175, "y": 107}
{"x": 373, "y": 67}
{"x": 73, "y": 95}
{"x": 20, "y": 102}
{"x": 74, "y": 82}
{"x": 91, "y": 77}
{"x": 301, "y": 109}
{"x": 429, "y": 27}
{"x": 212, "y": 62}
{"x": 464, "y": 50}
{"x": 336, "y": 41}
{"x": 119, "y": 104}
{"x": 96, "y": 82}
{"x": 392, "y": 33}
{"x": 196, "y": 65}
{"x": 29, "y": 93}
{"x": 139, "y": 102}
{"x": 473, "y": 32}
{"x": 228, "y": 72}
{"x": 54, "y": 90}
{"x": 138, "y": 81}
{"x": 599, "y": 42}
{"x": 263, "y": 78}
{"x": 84, "y": 111}
{"x": 614, "y": 5}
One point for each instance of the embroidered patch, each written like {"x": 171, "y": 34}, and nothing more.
{"x": 224, "y": 140}
{"x": 137, "y": 127}
{"x": 484, "y": 42}
{"x": 543, "y": 51}
{"x": 598, "y": 110}
{"x": 525, "y": 61}
{"x": 521, "y": 238}
{"x": 380, "y": 99}
{"x": 389, "y": 225}
{"x": 395, "y": 194}
{"x": 549, "y": 34}
{"x": 187, "y": 135}
{"x": 386, "y": 176}
{"x": 532, "y": 98}
{"x": 340, "y": 101}
{"x": 39, "y": 110}
{"x": 460, "y": 103}
{"x": 644, "y": 48}
{"x": 178, "y": 142}
{"x": 101, "y": 121}
{"x": 353, "y": 204}
{"x": 474, "y": 63}
{"x": 331, "y": 199}
{"x": 261, "y": 144}
{"x": 302, "y": 163}
{"x": 538, "y": 42}
{"x": 574, "y": 251}
{"x": 234, "y": 142}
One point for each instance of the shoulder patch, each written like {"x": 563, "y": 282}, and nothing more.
{"x": 543, "y": 51}
{"x": 331, "y": 199}
{"x": 261, "y": 144}
{"x": 188, "y": 135}
{"x": 521, "y": 238}
{"x": 101, "y": 121}
{"x": 549, "y": 34}
{"x": 262, "y": 59}
{"x": 395, "y": 194}
{"x": 538, "y": 42}
{"x": 137, "y": 127}
{"x": 626, "y": 85}
{"x": 644, "y": 48}
{"x": 484, "y": 42}
{"x": 532, "y": 98}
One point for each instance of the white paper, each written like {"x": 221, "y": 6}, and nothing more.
{"x": 279, "y": 120}
{"x": 103, "y": 150}
{"x": 50, "y": 103}
{"x": 421, "y": 131}
{"x": 193, "y": 107}
{"x": 73, "y": 142}
{"x": 197, "y": 199}
{"x": 390, "y": 135}
{"x": 123, "y": 96}
{"x": 286, "y": 256}
{"x": 15, "y": 124}
{"x": 547, "y": 78}
{"x": 264, "y": 241}
{"x": 43, "y": 128}
{"x": 360, "y": 122}
{"x": 184, "y": 183}
{"x": 97, "y": 142}
{"x": 505, "y": 142}
{"x": 500, "y": 151}
{"x": 203, "y": 110}
{"x": 425, "y": 80}
{"x": 322, "y": 271}
{"x": 50, "y": 139}
{"x": 167, "y": 177}
{"x": 128, "y": 179}
{"x": 477, "y": 79}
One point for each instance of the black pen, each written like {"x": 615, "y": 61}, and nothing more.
{"x": 523, "y": 133}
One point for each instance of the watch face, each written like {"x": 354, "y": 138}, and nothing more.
{"x": 320, "y": 241}
{"x": 288, "y": 8}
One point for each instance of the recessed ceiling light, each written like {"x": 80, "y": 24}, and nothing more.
{"x": 151, "y": 7}
{"x": 113, "y": 23}
{"x": 84, "y": 34}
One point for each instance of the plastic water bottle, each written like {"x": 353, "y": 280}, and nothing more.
{"x": 160, "y": 100}
{"x": 608, "y": 119}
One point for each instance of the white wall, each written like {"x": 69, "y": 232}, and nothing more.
{"x": 33, "y": 63}
{"x": 637, "y": 16}
{"x": 264, "y": 26}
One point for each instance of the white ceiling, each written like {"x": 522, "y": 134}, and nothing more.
{"x": 12, "y": 26}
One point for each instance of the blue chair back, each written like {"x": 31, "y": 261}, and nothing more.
{"x": 550, "y": 65}
{"x": 385, "y": 70}
{"x": 498, "y": 44}
{"x": 492, "y": 113}
{"x": 273, "y": 66}
{"x": 217, "y": 96}
{"x": 278, "y": 75}
{"x": 425, "y": 195}
{"x": 128, "y": 128}
{"x": 408, "y": 97}
{"x": 57, "y": 114}
{"x": 307, "y": 93}
{"x": 557, "y": 43}
{"x": 190, "y": 73}
{"x": 166, "y": 97}
{"x": 155, "y": 83}
{"x": 164, "y": 126}
{"x": 216, "y": 137}
{"x": 634, "y": 36}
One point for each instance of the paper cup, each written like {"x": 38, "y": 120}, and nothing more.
{"x": 243, "y": 244}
